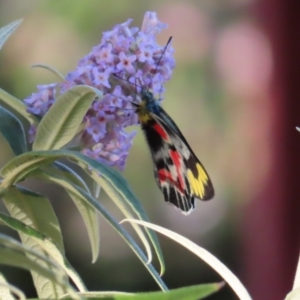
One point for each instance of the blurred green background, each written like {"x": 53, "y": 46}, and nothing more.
{"x": 217, "y": 96}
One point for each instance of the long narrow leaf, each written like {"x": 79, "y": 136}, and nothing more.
{"x": 195, "y": 292}
{"x": 6, "y": 290}
{"x": 13, "y": 131}
{"x": 118, "y": 200}
{"x": 35, "y": 211}
{"x": 17, "y": 169}
{"x": 115, "y": 185}
{"x": 60, "y": 125}
{"x": 18, "y": 106}
{"x": 12, "y": 253}
{"x": 12, "y": 258}
{"x": 82, "y": 195}
{"x": 49, "y": 68}
{"x": 47, "y": 244}
{"x": 7, "y": 31}
{"x": 211, "y": 260}
{"x": 88, "y": 212}
{"x": 23, "y": 164}
{"x": 69, "y": 174}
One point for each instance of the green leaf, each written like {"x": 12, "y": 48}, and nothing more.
{"x": 20, "y": 166}
{"x": 118, "y": 200}
{"x": 13, "y": 131}
{"x": 87, "y": 211}
{"x": 211, "y": 260}
{"x": 116, "y": 186}
{"x": 7, "y": 31}
{"x": 61, "y": 123}
{"x": 49, "y": 68}
{"x": 17, "y": 169}
{"x": 46, "y": 244}
{"x": 35, "y": 211}
{"x": 12, "y": 253}
{"x": 18, "y": 106}
{"x": 81, "y": 195}
{"x": 7, "y": 289}
{"x": 69, "y": 173}
{"x": 195, "y": 292}
{"x": 30, "y": 161}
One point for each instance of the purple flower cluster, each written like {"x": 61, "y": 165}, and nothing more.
{"x": 126, "y": 60}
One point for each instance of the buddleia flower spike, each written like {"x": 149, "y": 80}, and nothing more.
{"x": 129, "y": 52}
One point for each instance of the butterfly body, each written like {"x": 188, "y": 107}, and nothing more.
{"x": 178, "y": 172}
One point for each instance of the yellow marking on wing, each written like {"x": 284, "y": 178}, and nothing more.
{"x": 202, "y": 173}
{"x": 198, "y": 184}
{"x": 194, "y": 184}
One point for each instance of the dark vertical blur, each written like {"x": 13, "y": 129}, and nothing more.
{"x": 272, "y": 219}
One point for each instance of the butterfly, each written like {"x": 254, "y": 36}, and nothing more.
{"x": 178, "y": 172}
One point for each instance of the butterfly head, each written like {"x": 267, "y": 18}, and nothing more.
{"x": 147, "y": 105}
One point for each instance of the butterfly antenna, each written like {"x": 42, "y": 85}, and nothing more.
{"x": 169, "y": 41}
{"x": 140, "y": 85}
{"x": 126, "y": 80}
{"x": 135, "y": 90}
{"x": 122, "y": 108}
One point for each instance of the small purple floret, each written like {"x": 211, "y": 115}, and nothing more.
{"x": 130, "y": 53}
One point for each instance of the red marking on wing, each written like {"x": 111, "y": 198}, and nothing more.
{"x": 177, "y": 163}
{"x": 161, "y": 131}
{"x": 166, "y": 176}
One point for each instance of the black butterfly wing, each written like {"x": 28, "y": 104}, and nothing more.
{"x": 178, "y": 172}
